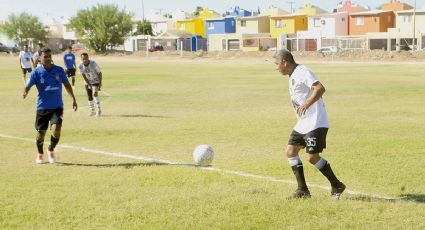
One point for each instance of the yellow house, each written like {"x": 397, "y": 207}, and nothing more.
{"x": 192, "y": 26}
{"x": 253, "y": 25}
{"x": 287, "y": 24}
{"x": 196, "y": 25}
{"x": 310, "y": 10}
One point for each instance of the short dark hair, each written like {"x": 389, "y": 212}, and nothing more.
{"x": 284, "y": 54}
{"x": 70, "y": 47}
{"x": 45, "y": 50}
{"x": 85, "y": 54}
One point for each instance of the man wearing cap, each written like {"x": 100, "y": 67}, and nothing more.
{"x": 312, "y": 124}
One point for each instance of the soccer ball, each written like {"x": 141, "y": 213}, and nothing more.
{"x": 203, "y": 155}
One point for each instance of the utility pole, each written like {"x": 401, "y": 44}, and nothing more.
{"x": 414, "y": 26}
{"x": 291, "y": 3}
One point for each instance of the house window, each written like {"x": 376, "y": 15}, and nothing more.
{"x": 243, "y": 23}
{"x": 250, "y": 43}
{"x": 359, "y": 21}
{"x": 210, "y": 25}
{"x": 343, "y": 19}
{"x": 316, "y": 22}
{"x": 278, "y": 23}
{"x": 182, "y": 27}
{"x": 233, "y": 23}
{"x": 407, "y": 18}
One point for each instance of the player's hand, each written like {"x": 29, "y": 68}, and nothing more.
{"x": 100, "y": 86}
{"x": 24, "y": 95}
{"x": 301, "y": 110}
{"x": 74, "y": 105}
{"x": 89, "y": 86}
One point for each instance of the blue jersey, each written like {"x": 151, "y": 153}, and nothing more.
{"x": 69, "y": 60}
{"x": 49, "y": 85}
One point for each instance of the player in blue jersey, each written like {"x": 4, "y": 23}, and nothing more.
{"x": 48, "y": 78}
{"x": 69, "y": 60}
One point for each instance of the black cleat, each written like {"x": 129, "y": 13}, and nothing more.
{"x": 299, "y": 194}
{"x": 337, "y": 191}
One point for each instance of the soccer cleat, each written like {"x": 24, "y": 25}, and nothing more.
{"x": 299, "y": 194}
{"x": 98, "y": 113}
{"x": 52, "y": 158}
{"x": 92, "y": 113}
{"x": 337, "y": 191}
{"x": 39, "y": 159}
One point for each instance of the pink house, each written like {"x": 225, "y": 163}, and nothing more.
{"x": 349, "y": 7}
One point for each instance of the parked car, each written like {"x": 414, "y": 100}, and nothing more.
{"x": 8, "y": 49}
{"x": 156, "y": 48}
{"x": 329, "y": 49}
{"x": 77, "y": 47}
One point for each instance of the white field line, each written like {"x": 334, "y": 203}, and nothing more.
{"x": 238, "y": 173}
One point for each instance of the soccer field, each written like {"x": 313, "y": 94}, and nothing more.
{"x": 161, "y": 108}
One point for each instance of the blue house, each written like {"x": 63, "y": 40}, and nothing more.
{"x": 226, "y": 24}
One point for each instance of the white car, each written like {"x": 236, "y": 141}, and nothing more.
{"x": 329, "y": 49}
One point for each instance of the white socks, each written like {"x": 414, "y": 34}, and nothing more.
{"x": 294, "y": 161}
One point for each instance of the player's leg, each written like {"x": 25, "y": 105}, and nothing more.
{"x": 90, "y": 99}
{"x": 24, "y": 75}
{"x": 96, "y": 99}
{"x": 295, "y": 144}
{"x": 56, "y": 126}
{"x": 41, "y": 124}
{"x": 73, "y": 76}
{"x": 316, "y": 142}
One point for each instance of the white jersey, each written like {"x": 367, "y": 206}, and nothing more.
{"x": 36, "y": 58}
{"x": 25, "y": 58}
{"x": 91, "y": 71}
{"x": 300, "y": 83}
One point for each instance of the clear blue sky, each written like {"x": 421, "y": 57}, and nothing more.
{"x": 49, "y": 8}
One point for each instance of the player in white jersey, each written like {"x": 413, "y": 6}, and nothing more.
{"x": 25, "y": 61}
{"x": 311, "y": 128}
{"x": 36, "y": 56}
{"x": 93, "y": 80}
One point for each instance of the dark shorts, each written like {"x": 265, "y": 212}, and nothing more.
{"x": 26, "y": 70}
{"x": 43, "y": 117}
{"x": 314, "y": 141}
{"x": 70, "y": 72}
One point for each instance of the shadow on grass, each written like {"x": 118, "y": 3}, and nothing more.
{"x": 370, "y": 198}
{"x": 123, "y": 165}
{"x": 129, "y": 165}
{"x": 418, "y": 198}
{"x": 134, "y": 116}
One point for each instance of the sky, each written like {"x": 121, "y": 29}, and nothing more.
{"x": 45, "y": 9}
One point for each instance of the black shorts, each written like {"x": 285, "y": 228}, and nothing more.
{"x": 26, "y": 70}
{"x": 43, "y": 117}
{"x": 315, "y": 140}
{"x": 70, "y": 72}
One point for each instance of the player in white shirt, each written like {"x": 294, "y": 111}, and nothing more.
{"x": 311, "y": 128}
{"x": 25, "y": 62}
{"x": 93, "y": 80}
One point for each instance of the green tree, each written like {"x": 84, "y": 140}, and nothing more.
{"x": 144, "y": 28}
{"x": 198, "y": 9}
{"x": 25, "y": 27}
{"x": 102, "y": 26}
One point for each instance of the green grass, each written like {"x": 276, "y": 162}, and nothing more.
{"x": 163, "y": 108}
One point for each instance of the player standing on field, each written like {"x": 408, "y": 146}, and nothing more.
{"x": 93, "y": 79}
{"x": 36, "y": 56}
{"x": 69, "y": 60}
{"x": 312, "y": 126}
{"x": 48, "y": 78}
{"x": 25, "y": 61}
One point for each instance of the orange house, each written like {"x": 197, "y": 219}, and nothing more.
{"x": 361, "y": 23}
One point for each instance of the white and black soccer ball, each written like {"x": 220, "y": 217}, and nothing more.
{"x": 203, "y": 155}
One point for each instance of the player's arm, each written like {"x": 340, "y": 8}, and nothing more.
{"x": 68, "y": 88}
{"x": 25, "y": 91}
{"x": 86, "y": 80}
{"x": 317, "y": 90}
{"x": 100, "y": 80}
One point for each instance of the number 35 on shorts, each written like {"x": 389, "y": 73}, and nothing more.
{"x": 311, "y": 141}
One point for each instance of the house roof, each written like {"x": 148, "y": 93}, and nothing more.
{"x": 289, "y": 16}
{"x": 219, "y": 19}
{"x": 372, "y": 12}
{"x": 175, "y": 34}
{"x": 410, "y": 11}
{"x": 252, "y": 17}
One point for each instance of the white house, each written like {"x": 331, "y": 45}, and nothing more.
{"x": 159, "y": 23}
{"x": 326, "y": 26}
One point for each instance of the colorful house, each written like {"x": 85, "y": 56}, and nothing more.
{"x": 310, "y": 10}
{"x": 238, "y": 12}
{"x": 194, "y": 26}
{"x": 206, "y": 13}
{"x": 361, "y": 23}
{"x": 349, "y": 7}
{"x": 287, "y": 24}
{"x": 396, "y": 5}
{"x": 326, "y": 26}
{"x": 273, "y": 11}
{"x": 253, "y": 25}
{"x": 220, "y": 25}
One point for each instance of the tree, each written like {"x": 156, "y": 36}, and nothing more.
{"x": 102, "y": 26}
{"x": 198, "y": 9}
{"x": 24, "y": 28}
{"x": 144, "y": 28}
